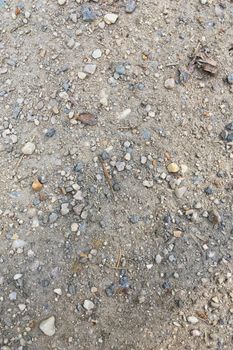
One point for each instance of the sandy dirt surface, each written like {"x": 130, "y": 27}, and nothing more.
{"x": 116, "y": 212}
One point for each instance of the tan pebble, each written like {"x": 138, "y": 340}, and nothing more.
{"x": 173, "y": 168}
{"x": 37, "y": 186}
{"x": 177, "y": 234}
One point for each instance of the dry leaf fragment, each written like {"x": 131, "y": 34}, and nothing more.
{"x": 17, "y": 11}
{"x": 201, "y": 314}
{"x": 207, "y": 63}
{"x": 87, "y": 118}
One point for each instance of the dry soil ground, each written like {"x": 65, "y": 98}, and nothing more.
{"x": 103, "y": 243}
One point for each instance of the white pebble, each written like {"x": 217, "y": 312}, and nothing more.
{"x": 96, "y": 53}
{"x": 192, "y": 319}
{"x": 17, "y": 276}
{"x": 82, "y": 75}
{"x": 58, "y": 291}
{"x": 48, "y": 326}
{"x": 28, "y": 148}
{"x": 88, "y": 305}
{"x": 61, "y": 2}
{"x": 110, "y": 18}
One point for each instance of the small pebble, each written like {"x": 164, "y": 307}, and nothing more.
{"x": 110, "y": 18}
{"x": 148, "y": 183}
{"x": 158, "y": 259}
{"x": 28, "y": 148}
{"x": 90, "y": 68}
{"x": 192, "y": 319}
{"x": 195, "y": 333}
{"x": 58, "y": 291}
{"x": 88, "y": 14}
{"x": 37, "y": 186}
{"x": 169, "y": 84}
{"x": 96, "y": 53}
{"x": 50, "y": 132}
{"x": 74, "y": 227}
{"x": 120, "y": 166}
{"x": 130, "y": 6}
{"x": 48, "y": 326}
{"x": 82, "y": 75}
{"x": 88, "y": 305}
{"x": 229, "y": 126}
{"x": 179, "y": 192}
{"x": 61, "y": 2}
{"x": 173, "y": 168}
{"x": 13, "y": 296}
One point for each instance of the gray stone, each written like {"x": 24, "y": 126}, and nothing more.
{"x": 90, "y": 68}
{"x": 130, "y": 6}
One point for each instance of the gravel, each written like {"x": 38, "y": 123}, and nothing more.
{"x": 116, "y": 177}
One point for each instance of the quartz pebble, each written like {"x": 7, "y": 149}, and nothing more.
{"x": 192, "y": 319}
{"x": 110, "y": 18}
{"x": 58, "y": 291}
{"x": 96, "y": 53}
{"x": 28, "y": 148}
{"x": 48, "y": 326}
{"x": 88, "y": 305}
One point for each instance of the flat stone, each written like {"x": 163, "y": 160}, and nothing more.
{"x": 192, "y": 319}
{"x": 173, "y": 168}
{"x": 90, "y": 68}
{"x": 48, "y": 326}
{"x": 110, "y": 18}
{"x": 28, "y": 148}
{"x": 88, "y": 305}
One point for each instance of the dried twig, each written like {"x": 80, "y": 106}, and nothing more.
{"x": 107, "y": 176}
